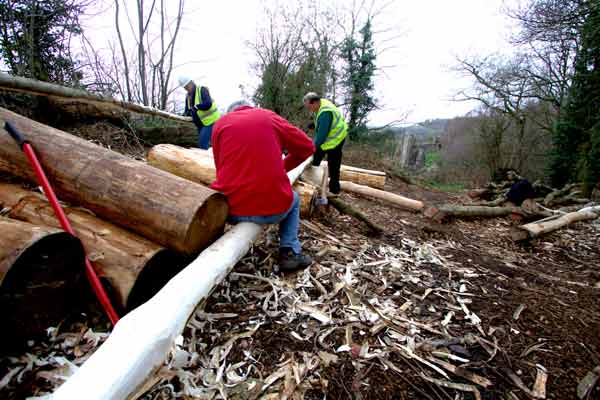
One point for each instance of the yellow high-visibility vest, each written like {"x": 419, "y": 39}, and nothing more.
{"x": 208, "y": 117}
{"x": 339, "y": 128}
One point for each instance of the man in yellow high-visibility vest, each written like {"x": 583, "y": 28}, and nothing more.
{"x": 330, "y": 134}
{"x": 201, "y": 107}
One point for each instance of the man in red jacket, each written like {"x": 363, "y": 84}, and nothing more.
{"x": 248, "y": 144}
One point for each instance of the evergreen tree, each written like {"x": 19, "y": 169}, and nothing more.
{"x": 576, "y": 153}
{"x": 359, "y": 57}
{"x": 34, "y": 39}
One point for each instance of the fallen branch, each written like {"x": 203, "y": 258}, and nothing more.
{"x": 346, "y": 208}
{"x": 539, "y": 228}
{"x": 442, "y": 213}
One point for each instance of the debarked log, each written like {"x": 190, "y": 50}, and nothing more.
{"x": 40, "y": 269}
{"x": 159, "y": 206}
{"x": 134, "y": 267}
{"x": 551, "y": 224}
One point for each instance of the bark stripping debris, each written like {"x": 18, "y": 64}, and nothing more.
{"x": 134, "y": 266}
{"x": 39, "y": 272}
{"x": 157, "y": 205}
{"x": 103, "y": 106}
{"x": 346, "y": 208}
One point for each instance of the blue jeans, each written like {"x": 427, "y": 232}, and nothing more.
{"x": 289, "y": 223}
{"x": 204, "y": 134}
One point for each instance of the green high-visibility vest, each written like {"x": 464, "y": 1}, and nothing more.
{"x": 339, "y": 128}
{"x": 208, "y": 117}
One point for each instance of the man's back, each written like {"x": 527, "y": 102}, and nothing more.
{"x": 247, "y": 145}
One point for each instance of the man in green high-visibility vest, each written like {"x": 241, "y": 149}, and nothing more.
{"x": 330, "y": 134}
{"x": 201, "y": 107}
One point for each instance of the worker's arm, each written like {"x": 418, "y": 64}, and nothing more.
{"x": 187, "y": 111}
{"x": 323, "y": 127}
{"x": 297, "y": 143}
{"x": 205, "y": 99}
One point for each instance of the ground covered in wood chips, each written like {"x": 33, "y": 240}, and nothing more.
{"x": 423, "y": 311}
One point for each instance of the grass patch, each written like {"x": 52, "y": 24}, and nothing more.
{"x": 444, "y": 187}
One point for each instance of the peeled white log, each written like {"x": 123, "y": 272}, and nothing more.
{"x": 554, "y": 223}
{"x": 26, "y": 85}
{"x": 392, "y": 198}
{"x": 141, "y": 341}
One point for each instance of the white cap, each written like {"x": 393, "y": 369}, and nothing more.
{"x": 183, "y": 80}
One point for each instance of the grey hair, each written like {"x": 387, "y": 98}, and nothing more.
{"x": 311, "y": 96}
{"x": 237, "y": 104}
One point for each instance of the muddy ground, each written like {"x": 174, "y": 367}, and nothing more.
{"x": 491, "y": 313}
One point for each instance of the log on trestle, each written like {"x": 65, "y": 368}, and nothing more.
{"x": 141, "y": 340}
{"x": 40, "y": 268}
{"x": 135, "y": 267}
{"x": 159, "y": 206}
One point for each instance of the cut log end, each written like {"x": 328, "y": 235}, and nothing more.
{"x": 519, "y": 235}
{"x": 206, "y": 226}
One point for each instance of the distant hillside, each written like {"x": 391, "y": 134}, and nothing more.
{"x": 428, "y": 129}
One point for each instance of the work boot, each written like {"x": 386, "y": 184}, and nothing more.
{"x": 290, "y": 262}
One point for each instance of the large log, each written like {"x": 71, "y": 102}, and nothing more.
{"x": 135, "y": 267}
{"x": 551, "y": 224}
{"x": 141, "y": 341}
{"x": 39, "y": 270}
{"x": 102, "y": 104}
{"x": 198, "y": 166}
{"x": 159, "y": 206}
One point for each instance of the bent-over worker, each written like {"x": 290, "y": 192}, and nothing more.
{"x": 247, "y": 145}
{"x": 330, "y": 134}
{"x": 201, "y": 107}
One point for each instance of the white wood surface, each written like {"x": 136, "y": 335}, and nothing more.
{"x": 141, "y": 341}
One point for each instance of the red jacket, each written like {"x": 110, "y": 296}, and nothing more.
{"x": 247, "y": 145}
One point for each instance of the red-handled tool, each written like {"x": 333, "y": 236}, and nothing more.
{"x": 62, "y": 218}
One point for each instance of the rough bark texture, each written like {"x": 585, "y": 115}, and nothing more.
{"x": 40, "y": 268}
{"x": 159, "y": 206}
{"x": 106, "y": 105}
{"x": 443, "y": 212}
{"x": 374, "y": 179}
{"x": 198, "y": 166}
{"x": 134, "y": 267}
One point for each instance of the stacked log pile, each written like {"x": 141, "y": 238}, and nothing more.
{"x": 139, "y": 223}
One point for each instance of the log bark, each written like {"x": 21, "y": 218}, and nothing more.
{"x": 159, "y": 206}
{"x": 40, "y": 268}
{"x": 108, "y": 105}
{"x": 442, "y": 213}
{"x": 135, "y": 267}
{"x": 198, "y": 166}
{"x": 391, "y": 198}
{"x": 551, "y": 224}
{"x": 374, "y": 179}
{"x": 141, "y": 340}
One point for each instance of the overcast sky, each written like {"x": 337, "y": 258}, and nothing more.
{"x": 212, "y": 50}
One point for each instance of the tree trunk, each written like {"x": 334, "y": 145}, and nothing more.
{"x": 142, "y": 340}
{"x": 441, "y": 213}
{"x": 135, "y": 267}
{"x": 391, "y": 198}
{"x": 31, "y": 86}
{"x": 40, "y": 268}
{"x": 159, "y": 206}
{"x": 198, "y": 166}
{"x": 552, "y": 224}
{"x": 367, "y": 177}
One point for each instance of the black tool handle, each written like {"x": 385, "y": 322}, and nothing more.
{"x": 18, "y": 136}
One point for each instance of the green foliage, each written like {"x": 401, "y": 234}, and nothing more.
{"x": 359, "y": 56}
{"x": 432, "y": 158}
{"x": 34, "y": 39}
{"x": 576, "y": 153}
{"x": 444, "y": 187}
